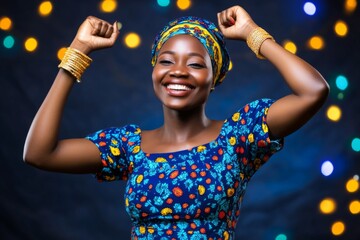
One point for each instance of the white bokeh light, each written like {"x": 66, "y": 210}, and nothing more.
{"x": 327, "y": 168}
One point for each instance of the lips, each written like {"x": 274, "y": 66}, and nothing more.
{"x": 178, "y": 89}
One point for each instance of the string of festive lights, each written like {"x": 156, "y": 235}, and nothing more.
{"x": 328, "y": 205}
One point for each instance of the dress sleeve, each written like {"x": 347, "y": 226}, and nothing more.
{"x": 253, "y": 132}
{"x": 110, "y": 143}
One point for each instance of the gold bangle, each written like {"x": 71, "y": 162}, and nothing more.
{"x": 256, "y": 39}
{"x": 75, "y": 62}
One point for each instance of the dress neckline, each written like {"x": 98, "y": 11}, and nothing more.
{"x": 207, "y": 144}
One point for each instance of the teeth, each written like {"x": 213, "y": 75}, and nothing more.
{"x": 178, "y": 87}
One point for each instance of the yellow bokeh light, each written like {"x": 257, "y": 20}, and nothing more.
{"x": 354, "y": 207}
{"x": 5, "y": 23}
{"x": 45, "y": 8}
{"x": 290, "y": 46}
{"x": 338, "y": 228}
{"x": 316, "y": 43}
{"x": 31, "y": 44}
{"x": 334, "y": 113}
{"x": 341, "y": 28}
{"x": 183, "y": 4}
{"x": 350, "y": 6}
{"x": 132, "y": 40}
{"x": 61, "y": 53}
{"x": 230, "y": 65}
{"x": 108, "y": 5}
{"x": 352, "y": 185}
{"x": 327, "y": 206}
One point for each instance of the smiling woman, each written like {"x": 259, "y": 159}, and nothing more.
{"x": 187, "y": 178}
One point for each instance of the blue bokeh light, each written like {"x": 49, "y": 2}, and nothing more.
{"x": 309, "y": 8}
{"x": 163, "y": 3}
{"x": 341, "y": 82}
{"x": 327, "y": 168}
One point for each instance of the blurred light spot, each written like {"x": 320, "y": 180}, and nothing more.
{"x": 108, "y": 6}
{"x": 316, "y": 43}
{"x": 61, "y": 53}
{"x": 132, "y": 40}
{"x": 341, "y": 82}
{"x": 45, "y": 8}
{"x": 230, "y": 65}
{"x": 281, "y": 237}
{"x": 352, "y": 185}
{"x": 309, "y": 8}
{"x": 356, "y": 177}
{"x": 327, "y": 206}
{"x": 340, "y": 96}
{"x": 163, "y": 3}
{"x": 350, "y": 6}
{"x": 183, "y": 4}
{"x": 327, "y": 168}
{"x": 355, "y": 144}
{"x": 5, "y": 23}
{"x": 341, "y": 28}
{"x": 9, "y": 42}
{"x": 30, "y": 44}
{"x": 338, "y": 228}
{"x": 334, "y": 113}
{"x": 290, "y": 46}
{"x": 354, "y": 207}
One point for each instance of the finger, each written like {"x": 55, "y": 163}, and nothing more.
{"x": 96, "y": 28}
{"x": 115, "y": 33}
{"x": 103, "y": 29}
{"x": 109, "y": 31}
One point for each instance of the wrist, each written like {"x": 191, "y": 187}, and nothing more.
{"x": 76, "y": 44}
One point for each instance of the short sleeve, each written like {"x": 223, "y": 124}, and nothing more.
{"x": 253, "y": 131}
{"x": 112, "y": 152}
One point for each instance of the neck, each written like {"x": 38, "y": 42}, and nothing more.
{"x": 180, "y": 126}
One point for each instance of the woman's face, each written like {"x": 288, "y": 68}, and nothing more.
{"x": 183, "y": 75}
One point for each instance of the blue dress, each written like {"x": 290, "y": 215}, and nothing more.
{"x": 189, "y": 194}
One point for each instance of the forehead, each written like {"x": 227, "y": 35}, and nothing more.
{"x": 183, "y": 43}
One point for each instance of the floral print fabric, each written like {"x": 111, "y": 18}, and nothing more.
{"x": 194, "y": 193}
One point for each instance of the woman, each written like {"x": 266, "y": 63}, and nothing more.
{"x": 186, "y": 179}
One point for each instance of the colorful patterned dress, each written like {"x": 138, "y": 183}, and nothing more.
{"x": 188, "y": 194}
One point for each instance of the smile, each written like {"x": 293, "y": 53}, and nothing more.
{"x": 178, "y": 87}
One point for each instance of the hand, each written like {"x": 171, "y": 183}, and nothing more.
{"x": 94, "y": 34}
{"x": 235, "y": 23}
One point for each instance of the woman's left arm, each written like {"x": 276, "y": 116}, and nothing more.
{"x": 309, "y": 88}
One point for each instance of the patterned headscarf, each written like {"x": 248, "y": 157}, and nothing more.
{"x": 209, "y": 36}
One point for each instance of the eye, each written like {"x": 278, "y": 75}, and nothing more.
{"x": 197, "y": 65}
{"x": 165, "y": 62}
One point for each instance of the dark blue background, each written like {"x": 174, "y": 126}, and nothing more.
{"x": 283, "y": 197}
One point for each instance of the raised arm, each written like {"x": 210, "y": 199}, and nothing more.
{"x": 42, "y": 147}
{"x": 309, "y": 89}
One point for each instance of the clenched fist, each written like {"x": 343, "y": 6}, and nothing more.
{"x": 94, "y": 34}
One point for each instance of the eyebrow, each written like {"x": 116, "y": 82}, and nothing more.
{"x": 190, "y": 54}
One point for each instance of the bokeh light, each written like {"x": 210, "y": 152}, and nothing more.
{"x": 334, "y": 113}
{"x": 30, "y": 44}
{"x": 341, "y": 82}
{"x": 45, "y": 8}
{"x": 309, "y": 8}
{"x": 132, "y": 40}
{"x": 355, "y": 144}
{"x": 290, "y": 46}
{"x": 230, "y": 65}
{"x": 281, "y": 236}
{"x": 60, "y": 53}
{"x": 316, "y": 43}
{"x": 183, "y": 4}
{"x": 327, "y": 168}
{"x": 108, "y": 6}
{"x": 327, "y": 206}
{"x": 341, "y": 28}
{"x": 352, "y": 185}
{"x": 340, "y": 96}
{"x": 5, "y": 23}
{"x": 8, "y": 42}
{"x": 354, "y": 207}
{"x": 338, "y": 228}
{"x": 350, "y": 6}
{"x": 163, "y": 3}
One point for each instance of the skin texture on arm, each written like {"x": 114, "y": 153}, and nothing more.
{"x": 309, "y": 89}
{"x": 42, "y": 147}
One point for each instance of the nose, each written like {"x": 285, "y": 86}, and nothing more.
{"x": 179, "y": 70}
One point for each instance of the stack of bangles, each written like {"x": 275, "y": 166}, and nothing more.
{"x": 256, "y": 39}
{"x": 75, "y": 62}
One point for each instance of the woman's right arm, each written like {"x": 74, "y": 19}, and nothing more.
{"x": 42, "y": 147}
